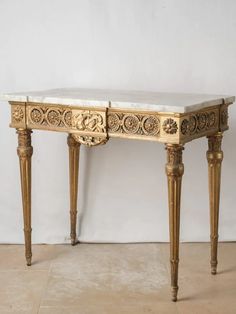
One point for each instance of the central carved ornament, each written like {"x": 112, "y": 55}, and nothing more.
{"x": 87, "y": 121}
{"x": 92, "y": 126}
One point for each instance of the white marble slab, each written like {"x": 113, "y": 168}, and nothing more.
{"x": 140, "y": 100}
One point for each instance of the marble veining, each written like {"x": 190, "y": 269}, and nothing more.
{"x": 141, "y": 100}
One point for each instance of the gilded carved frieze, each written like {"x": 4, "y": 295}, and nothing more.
{"x": 49, "y": 117}
{"x": 199, "y": 122}
{"x": 93, "y": 126}
{"x": 133, "y": 124}
{"x": 203, "y": 122}
{"x": 87, "y": 126}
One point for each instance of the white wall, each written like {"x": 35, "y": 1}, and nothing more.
{"x": 179, "y": 46}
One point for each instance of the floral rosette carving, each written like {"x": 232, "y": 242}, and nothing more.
{"x": 68, "y": 118}
{"x": 17, "y": 114}
{"x": 150, "y": 125}
{"x": 53, "y": 117}
{"x": 170, "y": 126}
{"x": 224, "y": 117}
{"x": 198, "y": 123}
{"x": 130, "y": 123}
{"x": 113, "y": 122}
{"x": 36, "y": 115}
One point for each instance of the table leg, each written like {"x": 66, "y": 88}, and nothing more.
{"x": 174, "y": 171}
{"x": 25, "y": 151}
{"x": 74, "y": 148}
{"x": 214, "y": 157}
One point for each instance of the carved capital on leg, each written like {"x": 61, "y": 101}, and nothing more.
{"x": 25, "y": 151}
{"x": 174, "y": 172}
{"x": 214, "y": 158}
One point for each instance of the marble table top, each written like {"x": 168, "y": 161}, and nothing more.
{"x": 140, "y": 100}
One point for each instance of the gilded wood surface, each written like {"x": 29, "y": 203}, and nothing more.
{"x": 174, "y": 172}
{"x": 25, "y": 151}
{"x": 74, "y": 148}
{"x": 214, "y": 157}
{"x": 94, "y": 126}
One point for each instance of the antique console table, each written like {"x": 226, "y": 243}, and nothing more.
{"x": 92, "y": 117}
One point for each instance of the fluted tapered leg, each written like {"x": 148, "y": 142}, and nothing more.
{"x": 174, "y": 171}
{"x": 214, "y": 157}
{"x": 25, "y": 151}
{"x": 74, "y": 149}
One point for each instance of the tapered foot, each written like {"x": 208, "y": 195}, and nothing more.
{"x": 74, "y": 242}
{"x": 174, "y": 293}
{"x": 214, "y": 268}
{"x": 28, "y": 261}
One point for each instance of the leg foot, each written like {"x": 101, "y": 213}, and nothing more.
{"x": 174, "y": 293}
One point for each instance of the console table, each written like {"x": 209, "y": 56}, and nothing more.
{"x": 92, "y": 117}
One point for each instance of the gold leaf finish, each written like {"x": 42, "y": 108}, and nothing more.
{"x": 89, "y": 140}
{"x": 93, "y": 126}
{"x": 174, "y": 172}
{"x": 89, "y": 121}
{"x": 214, "y": 157}
{"x": 74, "y": 149}
{"x": 170, "y": 126}
{"x": 135, "y": 125}
{"x": 25, "y": 151}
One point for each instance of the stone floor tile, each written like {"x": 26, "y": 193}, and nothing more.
{"x": 21, "y": 291}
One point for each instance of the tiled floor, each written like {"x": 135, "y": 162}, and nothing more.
{"x": 115, "y": 278}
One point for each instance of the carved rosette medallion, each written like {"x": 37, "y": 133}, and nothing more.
{"x": 224, "y": 117}
{"x": 151, "y": 125}
{"x": 68, "y": 118}
{"x": 211, "y": 119}
{"x": 17, "y": 114}
{"x": 49, "y": 116}
{"x": 198, "y": 123}
{"x": 131, "y": 123}
{"x": 113, "y": 122}
{"x": 36, "y": 115}
{"x": 53, "y": 117}
{"x": 170, "y": 126}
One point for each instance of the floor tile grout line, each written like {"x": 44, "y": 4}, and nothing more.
{"x": 45, "y": 289}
